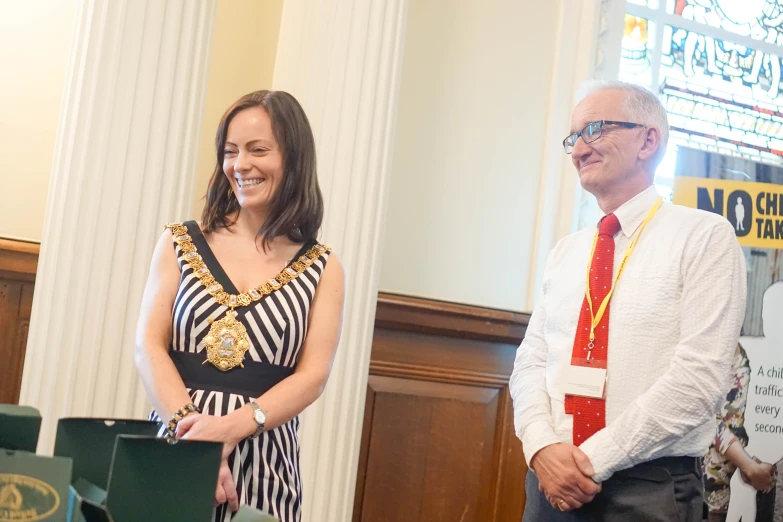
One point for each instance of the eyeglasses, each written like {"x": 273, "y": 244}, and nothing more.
{"x": 593, "y": 131}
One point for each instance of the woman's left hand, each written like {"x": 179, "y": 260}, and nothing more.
{"x": 198, "y": 426}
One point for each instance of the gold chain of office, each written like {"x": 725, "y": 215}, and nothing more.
{"x": 227, "y": 340}
{"x": 200, "y": 269}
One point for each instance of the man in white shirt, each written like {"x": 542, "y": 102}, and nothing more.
{"x": 614, "y": 415}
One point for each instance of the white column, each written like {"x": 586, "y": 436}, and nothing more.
{"x": 342, "y": 59}
{"x": 560, "y": 196}
{"x": 124, "y": 165}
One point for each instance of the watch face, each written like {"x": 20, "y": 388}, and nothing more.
{"x": 259, "y": 417}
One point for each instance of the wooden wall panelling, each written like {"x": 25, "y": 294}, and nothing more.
{"x": 438, "y": 441}
{"x": 18, "y": 263}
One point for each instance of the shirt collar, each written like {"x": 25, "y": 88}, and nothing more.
{"x": 632, "y": 212}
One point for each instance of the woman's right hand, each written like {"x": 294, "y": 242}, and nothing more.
{"x": 760, "y": 475}
{"x": 198, "y": 426}
{"x": 226, "y": 490}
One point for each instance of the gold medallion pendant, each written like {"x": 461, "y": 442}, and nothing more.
{"x": 226, "y": 343}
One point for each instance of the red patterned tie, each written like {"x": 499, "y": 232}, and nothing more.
{"x": 590, "y": 414}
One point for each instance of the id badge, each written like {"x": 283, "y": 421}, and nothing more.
{"x": 585, "y": 381}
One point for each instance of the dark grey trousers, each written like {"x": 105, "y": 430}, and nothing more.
{"x": 663, "y": 490}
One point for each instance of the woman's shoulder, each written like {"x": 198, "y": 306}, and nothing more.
{"x": 332, "y": 277}
{"x": 315, "y": 249}
{"x": 163, "y": 253}
{"x": 183, "y": 236}
{"x": 183, "y": 231}
{"x": 334, "y": 267}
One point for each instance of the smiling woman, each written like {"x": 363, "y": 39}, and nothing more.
{"x": 242, "y": 313}
{"x": 251, "y": 153}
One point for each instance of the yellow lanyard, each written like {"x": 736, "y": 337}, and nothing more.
{"x": 596, "y": 317}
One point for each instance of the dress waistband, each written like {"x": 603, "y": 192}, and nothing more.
{"x": 254, "y": 380}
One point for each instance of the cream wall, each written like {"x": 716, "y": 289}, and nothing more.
{"x": 469, "y": 145}
{"x": 244, "y": 46}
{"x": 35, "y": 41}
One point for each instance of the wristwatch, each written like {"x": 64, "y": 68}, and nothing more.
{"x": 260, "y": 417}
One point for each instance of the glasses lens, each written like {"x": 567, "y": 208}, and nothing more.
{"x": 568, "y": 143}
{"x": 592, "y": 132}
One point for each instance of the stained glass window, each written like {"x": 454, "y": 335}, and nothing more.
{"x": 717, "y": 67}
{"x": 637, "y": 50}
{"x": 752, "y": 18}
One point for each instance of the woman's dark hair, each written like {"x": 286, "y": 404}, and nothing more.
{"x": 297, "y": 206}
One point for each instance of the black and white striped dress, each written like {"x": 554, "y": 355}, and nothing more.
{"x": 265, "y": 469}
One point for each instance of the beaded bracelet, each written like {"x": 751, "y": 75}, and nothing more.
{"x": 171, "y": 428}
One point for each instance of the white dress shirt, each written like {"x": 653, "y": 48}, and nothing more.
{"x": 674, "y": 322}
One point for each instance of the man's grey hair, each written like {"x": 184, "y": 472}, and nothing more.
{"x": 641, "y": 106}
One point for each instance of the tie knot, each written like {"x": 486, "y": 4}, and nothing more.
{"x": 609, "y": 225}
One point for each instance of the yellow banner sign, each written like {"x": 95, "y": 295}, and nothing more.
{"x": 755, "y": 210}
